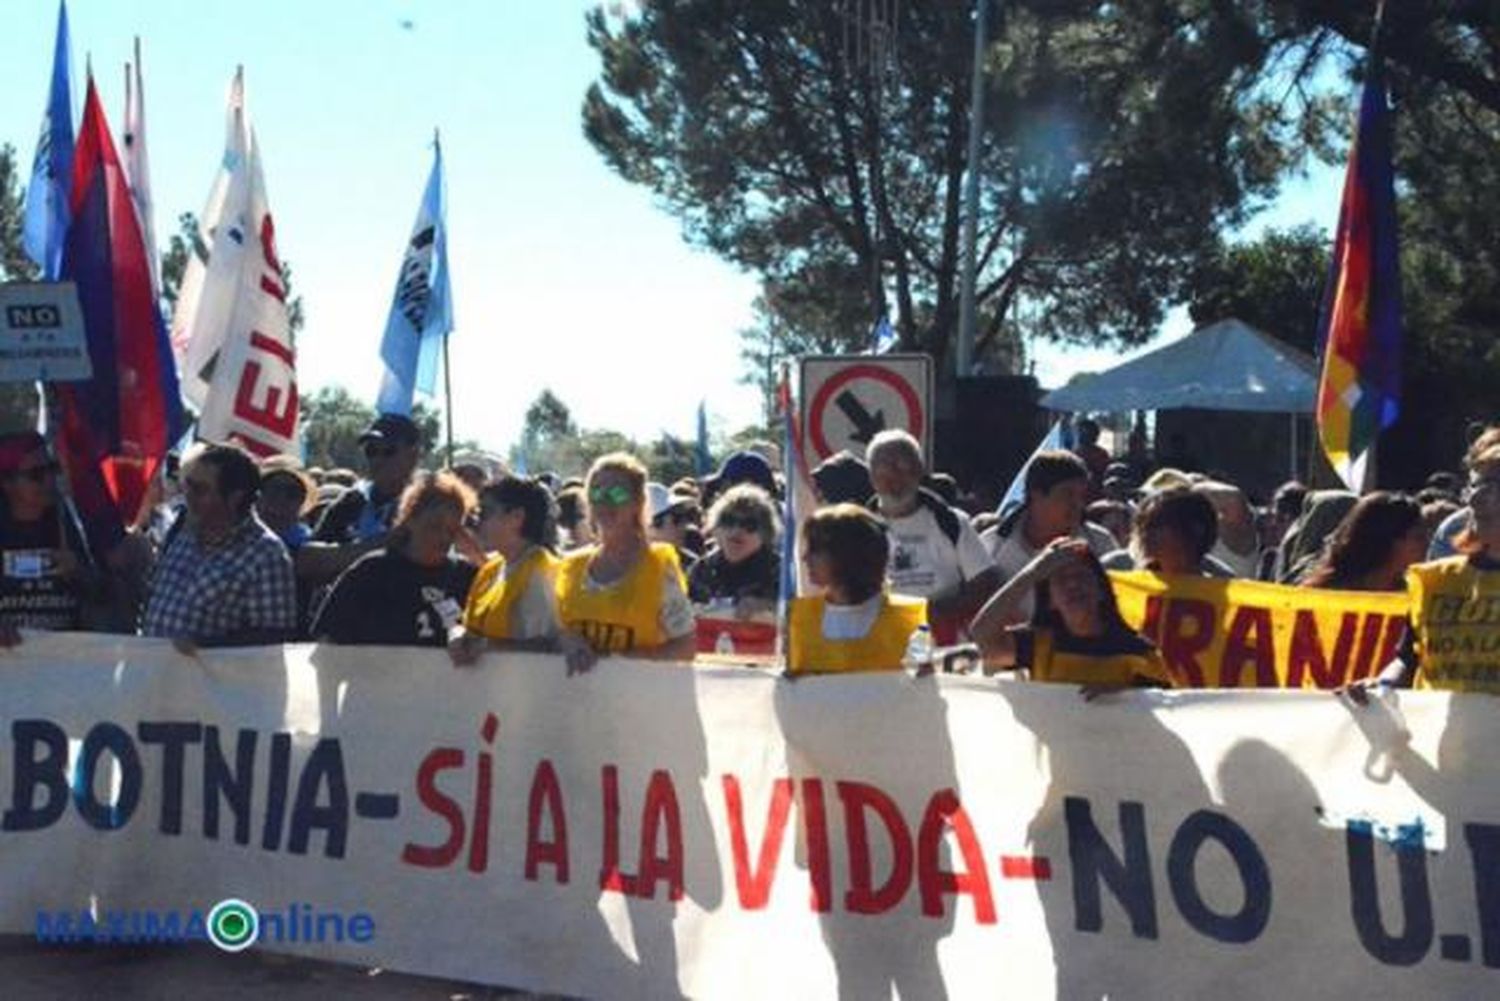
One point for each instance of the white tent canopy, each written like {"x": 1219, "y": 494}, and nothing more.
{"x": 1228, "y": 365}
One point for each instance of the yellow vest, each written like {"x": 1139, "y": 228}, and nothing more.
{"x": 1455, "y": 618}
{"x": 1075, "y": 668}
{"x": 626, "y": 615}
{"x": 494, "y": 593}
{"x": 881, "y": 649}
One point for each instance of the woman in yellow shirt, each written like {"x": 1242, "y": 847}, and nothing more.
{"x": 623, "y": 594}
{"x": 512, "y": 603}
{"x": 856, "y": 624}
{"x": 1076, "y": 635}
{"x": 1454, "y": 639}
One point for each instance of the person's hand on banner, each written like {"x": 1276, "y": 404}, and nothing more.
{"x": 577, "y": 652}
{"x": 465, "y": 648}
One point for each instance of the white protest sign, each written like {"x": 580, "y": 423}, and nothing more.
{"x": 42, "y": 336}
{"x": 650, "y": 830}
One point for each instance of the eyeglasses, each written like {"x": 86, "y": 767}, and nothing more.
{"x": 729, "y": 522}
{"x": 379, "y": 450}
{"x": 614, "y": 495}
{"x": 37, "y": 474}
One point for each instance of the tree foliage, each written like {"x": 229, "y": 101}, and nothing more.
{"x": 1119, "y": 139}
{"x": 1274, "y": 283}
{"x": 332, "y": 421}
{"x": 15, "y": 266}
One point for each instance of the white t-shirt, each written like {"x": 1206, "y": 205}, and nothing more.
{"x": 851, "y": 622}
{"x": 1242, "y": 564}
{"x": 924, "y": 564}
{"x": 1011, "y": 553}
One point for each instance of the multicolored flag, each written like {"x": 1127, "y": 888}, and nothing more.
{"x": 137, "y": 165}
{"x": 45, "y": 216}
{"x": 118, "y": 426}
{"x": 422, "y": 308}
{"x": 200, "y": 318}
{"x": 1360, "y": 330}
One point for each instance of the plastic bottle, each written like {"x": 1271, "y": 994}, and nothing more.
{"x": 918, "y": 659}
{"x": 724, "y": 645}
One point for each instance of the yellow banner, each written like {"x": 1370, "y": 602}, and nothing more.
{"x": 1247, "y": 634}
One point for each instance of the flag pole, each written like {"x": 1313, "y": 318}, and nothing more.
{"x": 448, "y": 397}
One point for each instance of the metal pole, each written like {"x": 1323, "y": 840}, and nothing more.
{"x": 965, "y": 351}
{"x": 448, "y": 398}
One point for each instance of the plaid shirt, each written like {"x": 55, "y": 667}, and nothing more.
{"x": 213, "y": 592}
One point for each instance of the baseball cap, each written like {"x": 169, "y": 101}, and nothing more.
{"x": 746, "y": 467}
{"x": 397, "y": 429}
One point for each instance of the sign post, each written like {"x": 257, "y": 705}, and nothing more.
{"x": 848, "y": 399}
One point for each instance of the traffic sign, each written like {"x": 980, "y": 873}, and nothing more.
{"x": 848, "y": 399}
{"x": 41, "y": 333}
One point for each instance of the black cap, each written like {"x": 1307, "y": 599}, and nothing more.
{"x": 396, "y": 429}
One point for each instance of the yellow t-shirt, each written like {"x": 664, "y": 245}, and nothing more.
{"x": 880, "y": 649}
{"x": 1126, "y": 660}
{"x": 495, "y": 592}
{"x": 625, "y": 615}
{"x": 1455, "y": 617}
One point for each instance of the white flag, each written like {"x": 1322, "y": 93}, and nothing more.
{"x": 200, "y": 320}
{"x": 137, "y": 166}
{"x": 251, "y": 393}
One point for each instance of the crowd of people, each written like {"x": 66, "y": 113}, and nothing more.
{"x": 236, "y": 551}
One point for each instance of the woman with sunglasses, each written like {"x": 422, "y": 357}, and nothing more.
{"x": 1453, "y": 641}
{"x": 623, "y": 594}
{"x": 856, "y": 624}
{"x": 46, "y": 578}
{"x": 744, "y": 567}
{"x": 410, "y": 592}
{"x": 513, "y": 601}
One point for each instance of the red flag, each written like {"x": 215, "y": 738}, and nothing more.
{"x": 117, "y": 427}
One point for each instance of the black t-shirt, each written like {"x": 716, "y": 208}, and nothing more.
{"x": 33, "y": 594}
{"x": 386, "y": 599}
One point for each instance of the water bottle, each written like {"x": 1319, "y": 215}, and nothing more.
{"x": 918, "y": 659}
{"x": 724, "y": 645}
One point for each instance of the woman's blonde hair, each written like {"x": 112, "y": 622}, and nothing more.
{"x": 631, "y": 469}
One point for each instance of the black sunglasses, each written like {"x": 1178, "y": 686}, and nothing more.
{"x": 728, "y": 521}
{"x": 379, "y": 450}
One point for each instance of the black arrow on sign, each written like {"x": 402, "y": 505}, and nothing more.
{"x": 866, "y": 424}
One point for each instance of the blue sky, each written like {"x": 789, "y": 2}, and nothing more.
{"x": 564, "y": 276}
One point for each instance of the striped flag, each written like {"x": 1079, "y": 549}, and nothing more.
{"x": 116, "y": 427}
{"x": 1360, "y": 328}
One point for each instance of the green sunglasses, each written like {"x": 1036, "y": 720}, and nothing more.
{"x": 615, "y": 495}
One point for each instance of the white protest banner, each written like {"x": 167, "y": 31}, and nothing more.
{"x": 650, "y": 830}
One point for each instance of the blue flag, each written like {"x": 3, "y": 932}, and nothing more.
{"x": 884, "y": 335}
{"x": 1058, "y": 438}
{"x": 703, "y": 461}
{"x": 45, "y": 228}
{"x": 422, "y": 307}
